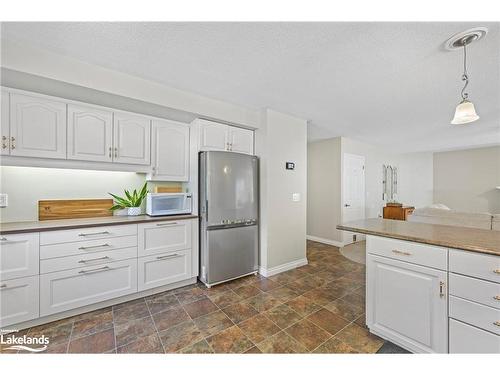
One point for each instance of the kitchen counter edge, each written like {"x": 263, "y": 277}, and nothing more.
{"x": 63, "y": 224}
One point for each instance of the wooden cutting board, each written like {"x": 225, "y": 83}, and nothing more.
{"x": 74, "y": 208}
{"x": 168, "y": 189}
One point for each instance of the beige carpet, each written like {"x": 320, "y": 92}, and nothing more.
{"x": 355, "y": 252}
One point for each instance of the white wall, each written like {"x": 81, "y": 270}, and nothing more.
{"x": 415, "y": 179}
{"x": 282, "y": 138}
{"x": 466, "y": 180}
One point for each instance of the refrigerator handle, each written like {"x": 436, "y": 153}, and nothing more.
{"x": 206, "y": 210}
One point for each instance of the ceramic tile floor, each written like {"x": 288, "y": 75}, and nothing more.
{"x": 317, "y": 308}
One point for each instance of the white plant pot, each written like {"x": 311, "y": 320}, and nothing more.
{"x": 134, "y": 211}
{"x": 122, "y": 212}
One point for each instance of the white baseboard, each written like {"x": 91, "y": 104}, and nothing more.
{"x": 326, "y": 241}
{"x": 266, "y": 272}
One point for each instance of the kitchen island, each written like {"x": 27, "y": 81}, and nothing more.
{"x": 432, "y": 288}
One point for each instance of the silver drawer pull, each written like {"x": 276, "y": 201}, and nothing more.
{"x": 399, "y": 252}
{"x": 93, "y": 247}
{"x": 497, "y": 298}
{"x": 3, "y": 239}
{"x": 3, "y": 286}
{"x": 105, "y": 268}
{"x": 92, "y": 260}
{"x": 497, "y": 272}
{"x": 497, "y": 323}
{"x": 165, "y": 224}
{"x": 168, "y": 256}
{"x": 441, "y": 289}
{"x": 93, "y": 234}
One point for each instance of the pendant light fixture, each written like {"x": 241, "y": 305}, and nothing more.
{"x": 465, "y": 111}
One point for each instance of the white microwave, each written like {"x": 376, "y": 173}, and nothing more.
{"x": 161, "y": 204}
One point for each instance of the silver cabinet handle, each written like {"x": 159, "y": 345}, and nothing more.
{"x": 399, "y": 252}
{"x": 4, "y": 142}
{"x": 92, "y": 260}
{"x": 93, "y": 247}
{"x": 154, "y": 171}
{"x": 105, "y": 268}
{"x": 497, "y": 323}
{"x": 496, "y": 298}
{"x": 168, "y": 256}
{"x": 3, "y": 286}
{"x": 441, "y": 288}
{"x": 116, "y": 152}
{"x": 92, "y": 234}
{"x": 3, "y": 239}
{"x": 110, "y": 152}
{"x": 166, "y": 224}
{"x": 12, "y": 145}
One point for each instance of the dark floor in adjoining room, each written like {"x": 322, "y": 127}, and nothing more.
{"x": 316, "y": 308}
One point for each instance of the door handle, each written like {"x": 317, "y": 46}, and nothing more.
{"x": 92, "y": 234}
{"x": 93, "y": 247}
{"x": 92, "y": 260}
{"x": 347, "y": 205}
{"x": 105, "y": 268}
{"x": 168, "y": 256}
{"x": 166, "y": 224}
{"x": 441, "y": 289}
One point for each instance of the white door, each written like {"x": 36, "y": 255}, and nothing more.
{"x": 240, "y": 140}
{"x": 407, "y": 304}
{"x": 19, "y": 255}
{"x": 4, "y": 125}
{"x": 37, "y": 127}
{"x": 18, "y": 300}
{"x": 353, "y": 191}
{"x": 131, "y": 138}
{"x": 90, "y": 134}
{"x": 170, "y": 151}
{"x": 213, "y": 136}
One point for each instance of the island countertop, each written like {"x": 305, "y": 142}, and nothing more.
{"x": 471, "y": 239}
{"x": 48, "y": 225}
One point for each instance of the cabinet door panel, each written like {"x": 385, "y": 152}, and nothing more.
{"x": 170, "y": 151}
{"x": 241, "y": 140}
{"x": 158, "y": 238}
{"x": 406, "y": 304}
{"x": 164, "y": 269}
{"x": 131, "y": 137}
{"x": 465, "y": 338}
{"x": 37, "y": 127}
{"x": 19, "y": 255}
{"x": 4, "y": 126}
{"x": 213, "y": 136}
{"x": 19, "y": 300}
{"x": 90, "y": 133}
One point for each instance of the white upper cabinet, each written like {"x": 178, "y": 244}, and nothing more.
{"x": 4, "y": 125}
{"x": 240, "y": 140}
{"x": 170, "y": 151}
{"x": 37, "y": 127}
{"x": 132, "y": 137}
{"x": 213, "y": 136}
{"x": 90, "y": 134}
{"x": 220, "y": 137}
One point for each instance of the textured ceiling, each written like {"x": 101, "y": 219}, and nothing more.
{"x": 389, "y": 84}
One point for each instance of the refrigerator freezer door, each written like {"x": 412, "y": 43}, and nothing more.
{"x": 232, "y": 252}
{"x": 231, "y": 187}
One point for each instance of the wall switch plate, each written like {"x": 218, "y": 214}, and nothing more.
{"x": 4, "y": 200}
{"x": 296, "y": 197}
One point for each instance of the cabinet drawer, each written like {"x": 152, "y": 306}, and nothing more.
{"x": 66, "y": 290}
{"x": 86, "y": 247}
{"x": 483, "y": 266}
{"x": 86, "y": 260}
{"x": 481, "y": 316}
{"x": 19, "y": 300}
{"x": 424, "y": 255}
{"x": 158, "y": 238}
{"x": 476, "y": 290}
{"x": 84, "y": 234}
{"x": 163, "y": 269}
{"x": 465, "y": 338}
{"x": 18, "y": 255}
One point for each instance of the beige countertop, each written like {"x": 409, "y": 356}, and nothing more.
{"x": 478, "y": 240}
{"x": 48, "y": 225}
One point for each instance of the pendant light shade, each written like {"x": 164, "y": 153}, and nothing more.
{"x": 464, "y": 113}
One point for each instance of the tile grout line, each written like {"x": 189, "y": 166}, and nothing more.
{"x": 70, "y": 336}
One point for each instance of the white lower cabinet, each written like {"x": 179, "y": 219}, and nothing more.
{"x": 163, "y": 269}
{"x": 19, "y": 255}
{"x": 407, "y": 304}
{"x": 18, "y": 300}
{"x": 158, "y": 238}
{"x": 66, "y": 290}
{"x": 465, "y": 338}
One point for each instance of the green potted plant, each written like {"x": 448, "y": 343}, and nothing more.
{"x": 131, "y": 202}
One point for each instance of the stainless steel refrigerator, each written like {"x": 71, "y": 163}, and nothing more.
{"x": 229, "y": 228}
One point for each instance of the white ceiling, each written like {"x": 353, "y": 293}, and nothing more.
{"x": 389, "y": 84}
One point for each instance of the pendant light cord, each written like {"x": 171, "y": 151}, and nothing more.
{"x": 465, "y": 76}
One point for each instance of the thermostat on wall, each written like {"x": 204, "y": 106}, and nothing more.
{"x": 290, "y": 165}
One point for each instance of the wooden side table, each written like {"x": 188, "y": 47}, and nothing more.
{"x": 397, "y": 212}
